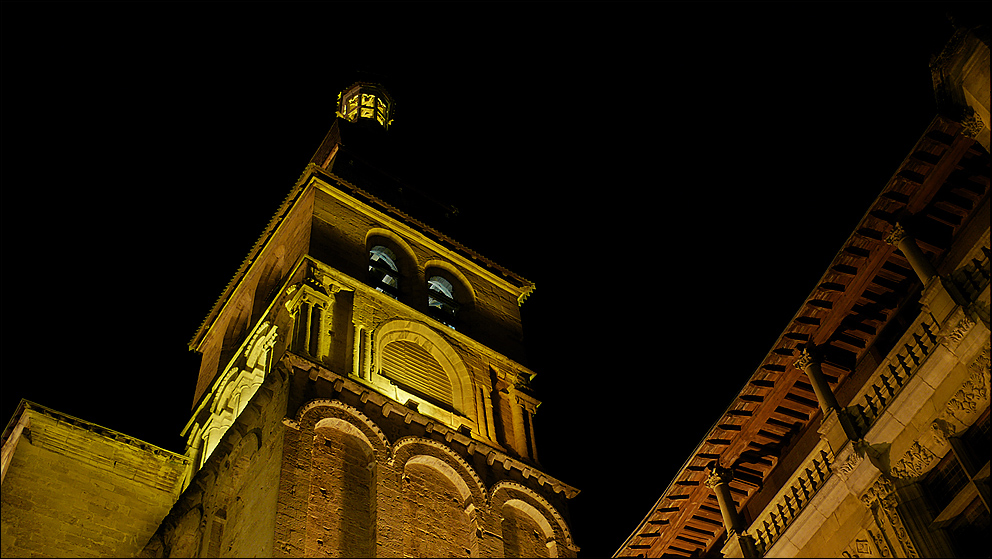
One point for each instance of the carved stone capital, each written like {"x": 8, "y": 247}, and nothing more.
{"x": 971, "y": 122}
{"x": 809, "y": 355}
{"x": 718, "y": 476}
{"x": 897, "y": 234}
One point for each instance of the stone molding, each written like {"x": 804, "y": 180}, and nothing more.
{"x": 882, "y": 492}
{"x": 366, "y": 393}
{"x": 396, "y": 459}
{"x": 358, "y": 419}
{"x": 507, "y": 486}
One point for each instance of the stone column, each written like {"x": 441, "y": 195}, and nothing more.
{"x": 740, "y": 544}
{"x": 809, "y": 362}
{"x": 837, "y": 427}
{"x": 902, "y": 240}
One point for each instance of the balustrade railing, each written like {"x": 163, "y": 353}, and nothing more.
{"x": 892, "y": 375}
{"x": 789, "y": 502}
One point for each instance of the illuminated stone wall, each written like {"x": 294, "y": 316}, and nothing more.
{"x": 229, "y": 508}
{"x": 374, "y": 479}
{"x": 75, "y": 489}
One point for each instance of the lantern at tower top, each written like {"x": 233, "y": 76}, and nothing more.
{"x": 363, "y": 101}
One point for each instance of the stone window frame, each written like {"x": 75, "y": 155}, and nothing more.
{"x": 962, "y": 457}
{"x": 383, "y": 260}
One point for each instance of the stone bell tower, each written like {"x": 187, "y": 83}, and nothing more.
{"x": 361, "y": 391}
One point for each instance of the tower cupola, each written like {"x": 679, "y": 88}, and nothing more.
{"x": 363, "y": 101}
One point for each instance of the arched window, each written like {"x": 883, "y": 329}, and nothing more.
{"x": 441, "y": 300}
{"x": 384, "y": 274}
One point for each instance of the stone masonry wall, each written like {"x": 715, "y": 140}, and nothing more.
{"x": 359, "y": 482}
{"x": 74, "y": 492}
{"x": 229, "y": 509}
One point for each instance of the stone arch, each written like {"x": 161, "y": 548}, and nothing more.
{"x": 506, "y": 491}
{"x": 409, "y": 269}
{"x": 457, "y": 274}
{"x": 462, "y": 393}
{"x": 517, "y": 520}
{"x": 315, "y": 411}
{"x": 342, "y": 493}
{"x": 240, "y": 457}
{"x": 444, "y": 469}
{"x": 266, "y": 282}
{"x": 234, "y": 332}
{"x": 409, "y": 447}
{"x": 187, "y": 535}
{"x": 439, "y": 497}
{"x": 336, "y": 424}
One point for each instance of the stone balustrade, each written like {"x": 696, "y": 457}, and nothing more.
{"x": 905, "y": 358}
{"x": 792, "y": 498}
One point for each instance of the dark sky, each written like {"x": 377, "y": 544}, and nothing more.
{"x": 675, "y": 178}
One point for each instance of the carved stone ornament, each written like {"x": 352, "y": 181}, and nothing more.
{"x": 880, "y": 543}
{"x": 263, "y": 340}
{"x": 882, "y": 492}
{"x": 951, "y": 337}
{"x": 897, "y": 234}
{"x": 942, "y": 431}
{"x": 879, "y": 490}
{"x": 719, "y": 475}
{"x": 974, "y": 393}
{"x": 807, "y": 357}
{"x": 971, "y": 122}
{"x": 915, "y": 463}
{"x": 856, "y": 455}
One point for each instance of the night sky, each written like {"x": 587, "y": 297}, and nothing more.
{"x": 675, "y": 178}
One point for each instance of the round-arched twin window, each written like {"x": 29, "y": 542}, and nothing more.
{"x": 384, "y": 273}
{"x": 441, "y": 300}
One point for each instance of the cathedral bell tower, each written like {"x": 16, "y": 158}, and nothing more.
{"x": 361, "y": 391}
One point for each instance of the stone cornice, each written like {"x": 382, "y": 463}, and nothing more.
{"x": 102, "y": 448}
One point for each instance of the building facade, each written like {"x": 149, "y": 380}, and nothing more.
{"x": 360, "y": 394}
{"x": 864, "y": 432}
